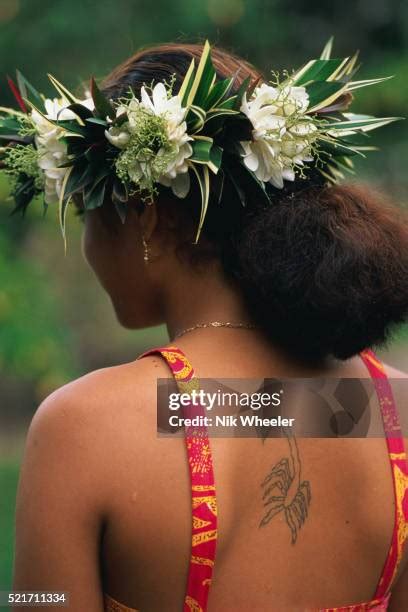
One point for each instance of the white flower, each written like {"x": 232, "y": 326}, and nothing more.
{"x": 282, "y": 133}
{"x": 118, "y": 136}
{"x": 52, "y": 151}
{"x": 171, "y": 157}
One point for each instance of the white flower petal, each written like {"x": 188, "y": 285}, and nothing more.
{"x": 288, "y": 174}
{"x": 277, "y": 180}
{"x": 282, "y": 134}
{"x": 145, "y": 99}
{"x": 164, "y": 180}
{"x": 181, "y": 185}
{"x": 252, "y": 162}
{"x": 160, "y": 99}
{"x": 119, "y": 137}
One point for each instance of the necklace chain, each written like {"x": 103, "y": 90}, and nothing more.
{"x": 215, "y": 324}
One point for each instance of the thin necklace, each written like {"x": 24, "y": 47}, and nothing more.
{"x": 215, "y": 324}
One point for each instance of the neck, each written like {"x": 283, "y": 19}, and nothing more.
{"x": 206, "y": 297}
{"x": 202, "y": 298}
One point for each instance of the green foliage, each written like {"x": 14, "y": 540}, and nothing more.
{"x": 33, "y": 343}
{"x": 8, "y": 488}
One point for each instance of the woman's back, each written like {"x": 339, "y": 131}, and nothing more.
{"x": 339, "y": 548}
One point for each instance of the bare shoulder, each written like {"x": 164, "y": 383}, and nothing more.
{"x": 83, "y": 435}
{"x": 89, "y": 412}
{"x": 100, "y": 389}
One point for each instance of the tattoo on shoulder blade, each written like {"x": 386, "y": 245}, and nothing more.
{"x": 283, "y": 491}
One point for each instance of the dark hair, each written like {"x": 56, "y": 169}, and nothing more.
{"x": 324, "y": 269}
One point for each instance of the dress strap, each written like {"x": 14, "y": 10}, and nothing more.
{"x": 204, "y": 503}
{"x": 399, "y": 469}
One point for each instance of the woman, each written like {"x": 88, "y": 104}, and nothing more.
{"x": 299, "y": 288}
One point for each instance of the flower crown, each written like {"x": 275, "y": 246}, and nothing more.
{"x": 265, "y": 133}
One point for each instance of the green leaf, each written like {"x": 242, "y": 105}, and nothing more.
{"x": 23, "y": 196}
{"x": 81, "y": 111}
{"x": 75, "y": 145}
{"x": 216, "y": 158}
{"x": 102, "y": 104}
{"x": 119, "y": 191}
{"x": 258, "y": 183}
{"x": 97, "y": 121}
{"x": 240, "y": 192}
{"x": 215, "y": 124}
{"x": 345, "y": 163}
{"x": 329, "y": 99}
{"x": 356, "y": 117}
{"x": 71, "y": 162}
{"x": 218, "y": 121}
{"x": 63, "y": 91}
{"x": 327, "y": 175}
{"x": 336, "y": 147}
{"x": 240, "y": 93}
{"x": 366, "y": 83}
{"x": 218, "y": 183}
{"x": 70, "y": 125}
{"x": 80, "y": 177}
{"x": 203, "y": 179}
{"x": 201, "y": 151}
{"x": 321, "y": 91}
{"x": 42, "y": 113}
{"x": 228, "y": 104}
{"x": 253, "y": 86}
{"x": 336, "y": 173}
{"x": 219, "y": 112}
{"x": 252, "y": 188}
{"x": 27, "y": 89}
{"x": 10, "y": 127}
{"x": 195, "y": 119}
{"x": 187, "y": 83}
{"x": 203, "y": 78}
{"x": 218, "y": 92}
{"x": 350, "y": 68}
{"x": 206, "y": 152}
{"x": 94, "y": 197}
{"x": 318, "y": 70}
{"x": 13, "y": 117}
{"x": 205, "y": 87}
{"x": 63, "y": 206}
{"x": 327, "y": 50}
{"x": 365, "y": 125}
{"x": 95, "y": 154}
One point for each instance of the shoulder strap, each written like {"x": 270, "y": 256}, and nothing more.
{"x": 389, "y": 412}
{"x": 399, "y": 468}
{"x": 204, "y": 503}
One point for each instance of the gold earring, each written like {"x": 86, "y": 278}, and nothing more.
{"x": 145, "y": 251}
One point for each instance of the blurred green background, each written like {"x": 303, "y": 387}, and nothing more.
{"x": 55, "y": 322}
